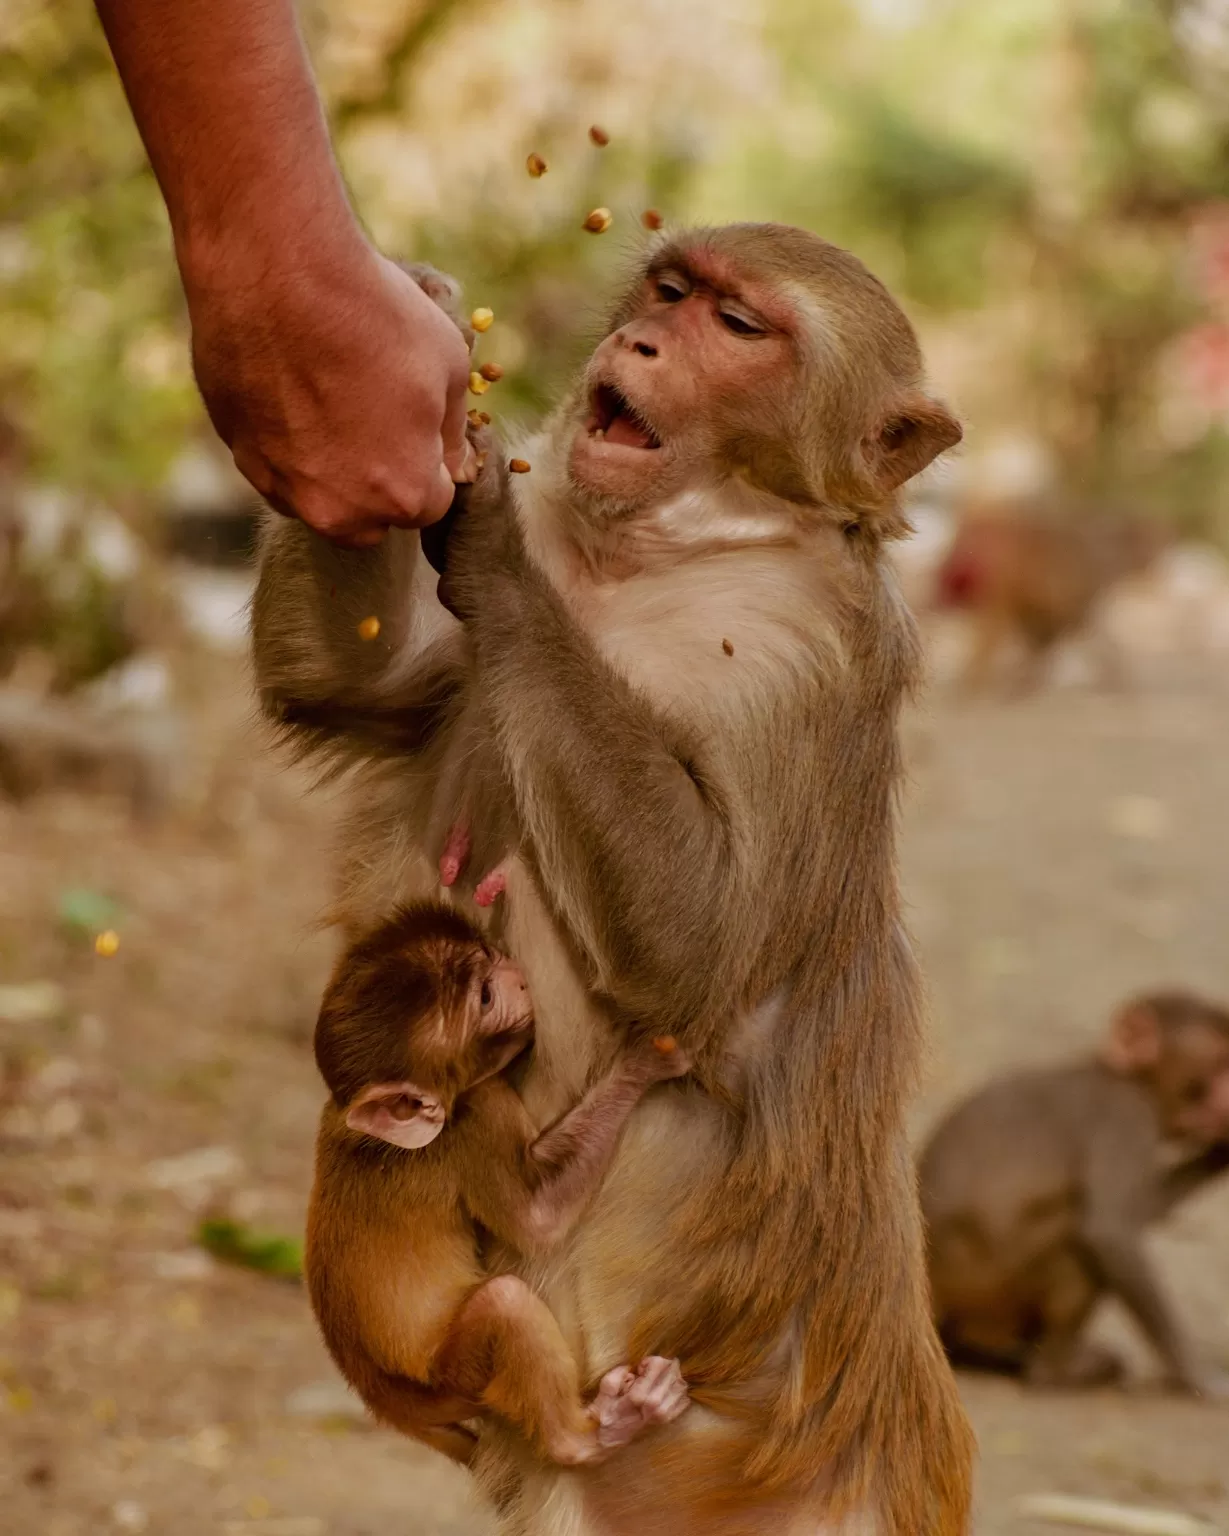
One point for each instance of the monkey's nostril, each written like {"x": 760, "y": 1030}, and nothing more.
{"x": 645, "y": 349}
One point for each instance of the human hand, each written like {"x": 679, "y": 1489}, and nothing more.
{"x": 339, "y": 387}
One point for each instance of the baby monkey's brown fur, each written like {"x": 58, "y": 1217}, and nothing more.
{"x": 423, "y": 1142}
{"x": 1037, "y": 1190}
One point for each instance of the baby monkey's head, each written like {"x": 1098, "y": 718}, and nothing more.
{"x": 416, "y": 1013}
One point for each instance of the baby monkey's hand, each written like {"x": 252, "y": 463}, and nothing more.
{"x": 665, "y": 1059}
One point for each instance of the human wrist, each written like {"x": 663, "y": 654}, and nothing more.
{"x": 258, "y": 251}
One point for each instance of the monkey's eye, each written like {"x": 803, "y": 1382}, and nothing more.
{"x": 486, "y": 997}
{"x": 671, "y": 290}
{"x": 739, "y": 324}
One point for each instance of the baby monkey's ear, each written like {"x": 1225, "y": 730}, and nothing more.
{"x": 400, "y": 1113}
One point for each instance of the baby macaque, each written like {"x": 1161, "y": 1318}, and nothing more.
{"x": 425, "y": 1148}
{"x": 1037, "y": 1190}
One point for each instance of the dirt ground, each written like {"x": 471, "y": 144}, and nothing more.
{"x": 1058, "y": 852}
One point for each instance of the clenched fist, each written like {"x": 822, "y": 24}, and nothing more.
{"x": 338, "y": 386}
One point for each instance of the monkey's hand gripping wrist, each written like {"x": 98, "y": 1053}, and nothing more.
{"x": 478, "y": 541}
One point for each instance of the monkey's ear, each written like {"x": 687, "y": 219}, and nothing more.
{"x": 917, "y": 430}
{"x": 399, "y": 1113}
{"x": 1133, "y": 1043}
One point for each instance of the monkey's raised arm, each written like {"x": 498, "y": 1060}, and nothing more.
{"x": 662, "y": 847}
{"x": 322, "y": 675}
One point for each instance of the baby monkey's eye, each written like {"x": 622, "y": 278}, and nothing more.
{"x": 671, "y": 289}
{"x": 739, "y": 324}
{"x": 486, "y": 996}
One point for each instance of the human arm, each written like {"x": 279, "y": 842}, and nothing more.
{"x": 337, "y": 384}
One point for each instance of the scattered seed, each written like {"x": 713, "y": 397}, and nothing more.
{"x": 536, "y": 166}
{"x": 491, "y": 372}
{"x": 477, "y": 384}
{"x": 369, "y": 628}
{"x": 599, "y": 221}
{"x": 728, "y": 647}
{"x": 519, "y": 466}
{"x": 665, "y": 1044}
{"x": 482, "y": 319}
{"x": 475, "y": 418}
{"x": 485, "y": 418}
{"x": 599, "y": 136}
{"x": 106, "y": 943}
{"x": 651, "y": 219}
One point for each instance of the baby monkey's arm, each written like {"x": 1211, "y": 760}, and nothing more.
{"x": 536, "y": 1198}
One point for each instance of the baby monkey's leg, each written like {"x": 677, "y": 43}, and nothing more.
{"x": 505, "y": 1350}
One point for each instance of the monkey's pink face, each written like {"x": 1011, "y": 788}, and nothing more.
{"x": 500, "y": 1016}
{"x": 701, "y": 348}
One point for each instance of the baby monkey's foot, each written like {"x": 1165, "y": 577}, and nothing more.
{"x": 628, "y": 1401}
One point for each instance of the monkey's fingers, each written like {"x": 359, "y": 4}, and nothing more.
{"x": 659, "y": 1391}
{"x": 629, "y": 1401}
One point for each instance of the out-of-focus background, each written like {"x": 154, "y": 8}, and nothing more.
{"x": 1045, "y": 184}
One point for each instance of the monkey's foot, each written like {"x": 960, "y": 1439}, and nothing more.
{"x": 455, "y": 854}
{"x": 629, "y": 1401}
{"x": 491, "y": 887}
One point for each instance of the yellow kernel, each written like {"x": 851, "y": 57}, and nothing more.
{"x": 651, "y": 219}
{"x": 482, "y": 319}
{"x": 519, "y": 466}
{"x": 369, "y": 628}
{"x": 106, "y": 943}
{"x": 599, "y": 221}
{"x": 599, "y": 136}
{"x": 477, "y": 384}
{"x": 536, "y": 166}
{"x": 491, "y": 372}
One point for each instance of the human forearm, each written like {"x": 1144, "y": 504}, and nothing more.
{"x": 226, "y": 105}
{"x": 336, "y": 381}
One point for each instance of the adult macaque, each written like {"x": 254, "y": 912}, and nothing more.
{"x": 417, "y": 1027}
{"x": 1031, "y": 576}
{"x": 670, "y": 707}
{"x": 1037, "y": 1190}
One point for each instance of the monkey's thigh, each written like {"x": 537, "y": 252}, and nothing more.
{"x": 1067, "y": 1292}
{"x": 505, "y": 1350}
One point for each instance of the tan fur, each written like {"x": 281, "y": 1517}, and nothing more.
{"x": 765, "y": 1231}
{"x": 1037, "y": 1190}
{"x": 423, "y": 1144}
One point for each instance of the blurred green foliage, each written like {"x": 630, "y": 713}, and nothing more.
{"x": 1024, "y": 173}
{"x": 233, "y": 1242}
